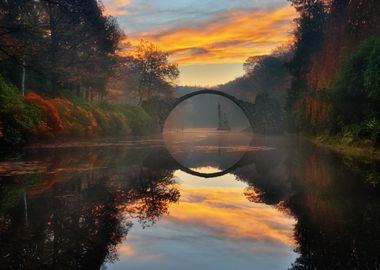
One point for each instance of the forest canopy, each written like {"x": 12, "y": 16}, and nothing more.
{"x": 335, "y": 69}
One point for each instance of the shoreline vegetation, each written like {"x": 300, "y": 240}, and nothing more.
{"x": 33, "y": 118}
{"x": 355, "y": 149}
{"x": 64, "y": 74}
{"x": 334, "y": 95}
{"x": 84, "y": 87}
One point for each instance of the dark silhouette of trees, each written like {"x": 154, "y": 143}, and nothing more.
{"x": 55, "y": 45}
{"x": 80, "y": 219}
{"x": 335, "y": 203}
{"x": 337, "y": 211}
{"x": 358, "y": 87}
{"x": 266, "y": 74}
{"x": 330, "y": 41}
{"x": 309, "y": 35}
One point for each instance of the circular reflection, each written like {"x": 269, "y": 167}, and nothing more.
{"x": 192, "y": 137}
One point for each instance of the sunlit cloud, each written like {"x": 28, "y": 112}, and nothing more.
{"x": 231, "y": 36}
{"x": 208, "y": 39}
{"x": 126, "y": 250}
{"x": 220, "y": 211}
{"x": 116, "y": 7}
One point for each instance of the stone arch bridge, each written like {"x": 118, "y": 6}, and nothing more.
{"x": 265, "y": 116}
{"x": 166, "y": 107}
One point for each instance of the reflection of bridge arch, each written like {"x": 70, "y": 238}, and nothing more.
{"x": 212, "y": 175}
{"x": 247, "y": 108}
{"x": 240, "y": 163}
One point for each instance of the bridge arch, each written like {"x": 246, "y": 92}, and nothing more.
{"x": 236, "y": 101}
{"x": 211, "y": 175}
{"x": 242, "y": 161}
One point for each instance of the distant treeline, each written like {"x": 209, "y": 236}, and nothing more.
{"x": 264, "y": 75}
{"x": 328, "y": 81}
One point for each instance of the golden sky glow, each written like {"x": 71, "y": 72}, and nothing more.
{"x": 231, "y": 37}
{"x": 210, "y": 37}
{"x": 115, "y": 8}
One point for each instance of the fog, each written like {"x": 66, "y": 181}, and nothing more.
{"x": 202, "y": 112}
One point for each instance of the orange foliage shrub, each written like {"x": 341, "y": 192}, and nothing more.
{"x": 90, "y": 117}
{"x": 50, "y": 119}
{"x": 76, "y": 120}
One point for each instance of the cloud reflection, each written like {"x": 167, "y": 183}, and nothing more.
{"x": 226, "y": 213}
{"x": 215, "y": 223}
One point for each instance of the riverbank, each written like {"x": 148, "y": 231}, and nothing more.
{"x": 358, "y": 149}
{"x": 35, "y": 118}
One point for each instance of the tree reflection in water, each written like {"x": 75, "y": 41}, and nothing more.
{"x": 80, "y": 205}
{"x": 336, "y": 202}
{"x": 79, "y": 223}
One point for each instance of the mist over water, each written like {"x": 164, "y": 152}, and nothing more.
{"x": 113, "y": 156}
{"x": 131, "y": 204}
{"x": 192, "y": 137}
{"x": 200, "y": 112}
{"x": 194, "y": 198}
{"x": 206, "y": 150}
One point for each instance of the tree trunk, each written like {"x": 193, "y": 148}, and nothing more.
{"x": 23, "y": 76}
{"x": 53, "y": 48}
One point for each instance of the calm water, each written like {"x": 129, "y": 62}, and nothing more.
{"x": 189, "y": 200}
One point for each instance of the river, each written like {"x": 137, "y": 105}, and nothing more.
{"x": 192, "y": 199}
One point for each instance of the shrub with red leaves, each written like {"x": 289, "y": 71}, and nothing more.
{"x": 51, "y": 117}
{"x": 77, "y": 120}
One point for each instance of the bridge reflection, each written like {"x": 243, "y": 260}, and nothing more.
{"x": 247, "y": 158}
{"x": 81, "y": 203}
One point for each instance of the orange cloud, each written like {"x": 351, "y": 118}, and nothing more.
{"x": 232, "y": 36}
{"x": 228, "y": 214}
{"x": 116, "y": 7}
{"x": 126, "y": 250}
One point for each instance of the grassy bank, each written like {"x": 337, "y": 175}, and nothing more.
{"x": 364, "y": 149}
{"x": 34, "y": 117}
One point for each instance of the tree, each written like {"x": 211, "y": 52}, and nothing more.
{"x": 152, "y": 71}
{"x": 263, "y": 74}
{"x": 21, "y": 35}
{"x": 308, "y": 34}
{"x": 81, "y": 45}
{"x": 358, "y": 87}
{"x": 67, "y": 44}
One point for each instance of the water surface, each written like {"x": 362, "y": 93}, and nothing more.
{"x": 189, "y": 200}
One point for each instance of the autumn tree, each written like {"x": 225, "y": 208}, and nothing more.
{"x": 152, "y": 72}
{"x": 309, "y": 35}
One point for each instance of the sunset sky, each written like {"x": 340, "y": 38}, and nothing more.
{"x": 209, "y": 39}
